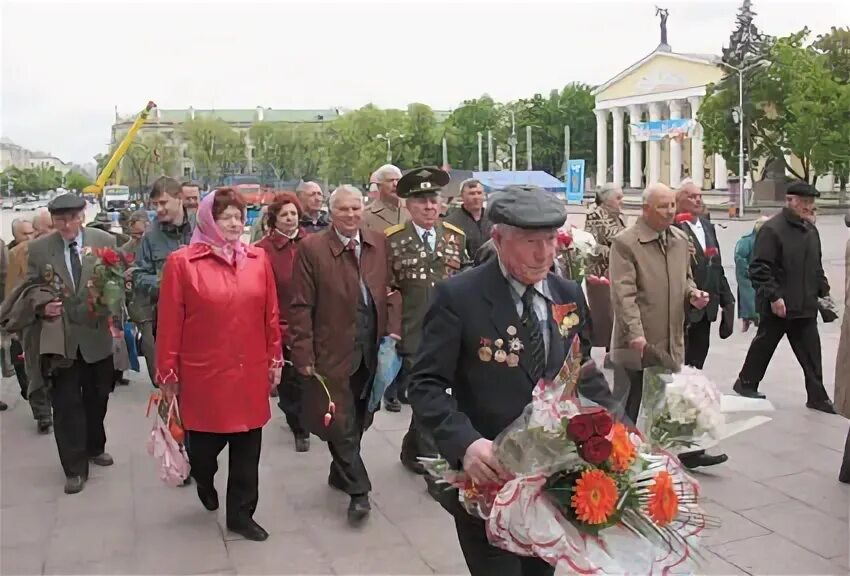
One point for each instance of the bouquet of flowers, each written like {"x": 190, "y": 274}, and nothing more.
{"x": 587, "y": 492}
{"x": 574, "y": 248}
{"x": 678, "y": 410}
{"x": 107, "y": 284}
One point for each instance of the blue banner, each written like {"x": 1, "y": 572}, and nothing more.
{"x": 575, "y": 181}
{"x": 656, "y": 130}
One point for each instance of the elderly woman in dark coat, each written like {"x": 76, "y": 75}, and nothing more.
{"x": 604, "y": 221}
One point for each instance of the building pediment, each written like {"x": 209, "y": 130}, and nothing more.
{"x": 660, "y": 72}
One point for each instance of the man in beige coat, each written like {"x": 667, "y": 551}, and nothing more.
{"x": 652, "y": 288}
{"x": 387, "y": 210}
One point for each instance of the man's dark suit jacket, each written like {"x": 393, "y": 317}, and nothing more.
{"x": 708, "y": 275}
{"x": 487, "y": 395}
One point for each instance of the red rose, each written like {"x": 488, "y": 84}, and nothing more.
{"x": 593, "y": 280}
{"x": 129, "y": 258}
{"x": 711, "y": 252}
{"x": 596, "y": 450}
{"x": 602, "y": 422}
{"x": 565, "y": 239}
{"x": 108, "y": 256}
{"x": 684, "y": 217}
{"x": 604, "y": 281}
{"x": 580, "y": 427}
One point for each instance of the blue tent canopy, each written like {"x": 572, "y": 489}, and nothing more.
{"x": 500, "y": 179}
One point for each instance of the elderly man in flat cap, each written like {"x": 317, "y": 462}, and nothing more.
{"x": 80, "y": 392}
{"x": 787, "y": 272}
{"x": 490, "y": 335}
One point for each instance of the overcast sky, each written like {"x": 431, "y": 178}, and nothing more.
{"x": 65, "y": 66}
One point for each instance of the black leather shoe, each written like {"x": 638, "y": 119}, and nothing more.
{"x": 412, "y": 464}
{"x": 74, "y": 484}
{"x": 821, "y": 406}
{"x": 102, "y": 459}
{"x": 358, "y": 509}
{"x": 44, "y": 426}
{"x": 122, "y": 382}
{"x": 209, "y": 498}
{"x": 249, "y": 529}
{"x": 740, "y": 390}
{"x": 302, "y": 444}
{"x": 700, "y": 460}
{"x": 392, "y": 405}
{"x": 3, "y": 406}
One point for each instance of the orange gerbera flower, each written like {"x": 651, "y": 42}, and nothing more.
{"x": 622, "y": 450}
{"x": 663, "y": 500}
{"x": 594, "y": 497}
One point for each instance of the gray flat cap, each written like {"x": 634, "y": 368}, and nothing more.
{"x": 528, "y": 207}
{"x": 66, "y": 203}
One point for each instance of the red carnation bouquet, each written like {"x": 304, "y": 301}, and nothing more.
{"x": 107, "y": 284}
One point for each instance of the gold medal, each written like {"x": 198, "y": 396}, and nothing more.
{"x": 499, "y": 343}
{"x": 513, "y": 360}
{"x": 485, "y": 354}
{"x": 500, "y": 356}
{"x": 511, "y": 330}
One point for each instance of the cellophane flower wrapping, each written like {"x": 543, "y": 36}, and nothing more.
{"x": 587, "y": 494}
{"x": 679, "y": 410}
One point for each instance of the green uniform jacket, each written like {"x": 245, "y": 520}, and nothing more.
{"x": 415, "y": 272}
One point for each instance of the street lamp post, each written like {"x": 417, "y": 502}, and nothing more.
{"x": 740, "y": 119}
{"x": 512, "y": 141}
{"x": 388, "y": 137}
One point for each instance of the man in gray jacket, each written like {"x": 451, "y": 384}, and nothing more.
{"x": 80, "y": 390}
{"x": 172, "y": 230}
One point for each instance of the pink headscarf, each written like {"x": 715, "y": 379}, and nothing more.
{"x": 208, "y": 232}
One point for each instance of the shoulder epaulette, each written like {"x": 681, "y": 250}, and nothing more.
{"x": 395, "y": 228}
{"x": 454, "y": 228}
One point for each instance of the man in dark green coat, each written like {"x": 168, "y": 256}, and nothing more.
{"x": 423, "y": 251}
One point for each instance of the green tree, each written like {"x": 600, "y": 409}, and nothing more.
{"x": 354, "y": 147}
{"x": 464, "y": 124}
{"x": 215, "y": 148}
{"x": 834, "y": 48}
{"x": 422, "y": 142}
{"x": 149, "y": 156}
{"x": 76, "y": 181}
{"x": 573, "y": 107}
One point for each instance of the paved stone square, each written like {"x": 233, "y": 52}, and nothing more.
{"x": 781, "y": 506}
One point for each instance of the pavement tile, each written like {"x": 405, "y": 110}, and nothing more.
{"x": 31, "y": 485}
{"x": 732, "y": 527}
{"x": 27, "y": 524}
{"x": 393, "y": 560}
{"x": 101, "y": 497}
{"x": 736, "y": 492}
{"x": 336, "y": 539}
{"x": 805, "y": 526}
{"x": 282, "y": 553}
{"x": 90, "y": 540}
{"x": 773, "y": 555}
{"x": 435, "y": 538}
{"x": 757, "y": 464}
{"x": 125, "y": 564}
{"x": 822, "y": 492}
{"x": 181, "y": 549}
{"x": 22, "y": 560}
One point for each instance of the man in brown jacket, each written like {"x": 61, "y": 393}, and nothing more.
{"x": 652, "y": 288}
{"x": 23, "y": 347}
{"x": 341, "y": 307}
{"x": 387, "y": 210}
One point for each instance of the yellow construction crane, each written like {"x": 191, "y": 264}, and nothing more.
{"x": 103, "y": 177}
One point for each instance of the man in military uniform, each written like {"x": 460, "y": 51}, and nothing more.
{"x": 490, "y": 334}
{"x": 386, "y": 211}
{"x": 423, "y": 251}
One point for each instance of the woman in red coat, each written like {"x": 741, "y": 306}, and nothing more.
{"x": 218, "y": 348}
{"x": 281, "y": 244}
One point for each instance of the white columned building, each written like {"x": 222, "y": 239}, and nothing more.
{"x": 663, "y": 86}
{"x": 675, "y": 146}
{"x": 697, "y": 154}
{"x": 617, "y": 115}
{"x": 601, "y": 147}
{"x": 635, "y": 149}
